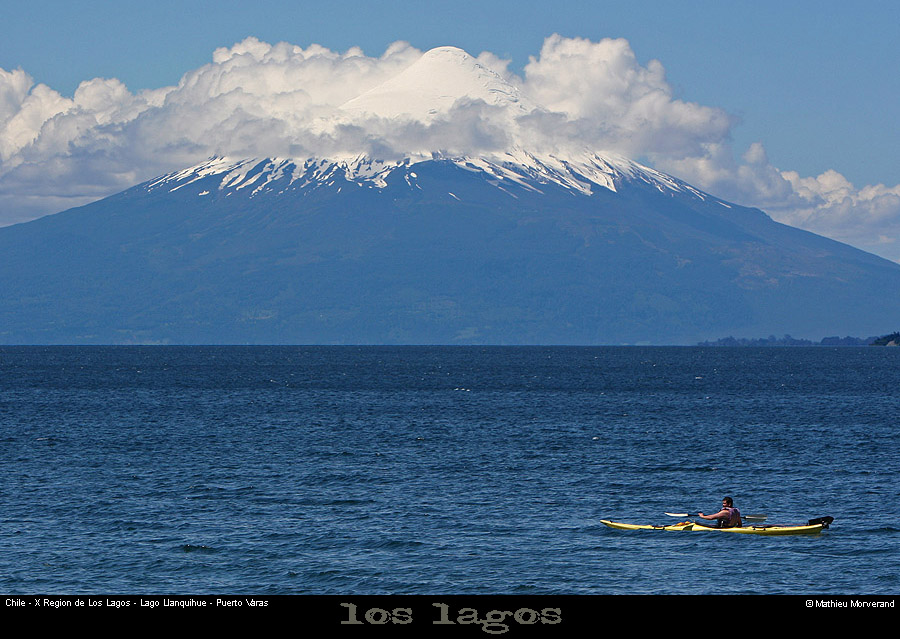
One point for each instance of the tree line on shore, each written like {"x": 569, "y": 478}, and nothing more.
{"x": 892, "y": 339}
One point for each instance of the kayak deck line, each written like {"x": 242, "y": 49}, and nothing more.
{"x": 814, "y": 526}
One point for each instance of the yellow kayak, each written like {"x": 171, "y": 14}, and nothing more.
{"x": 812, "y": 527}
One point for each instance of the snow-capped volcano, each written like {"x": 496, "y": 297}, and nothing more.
{"x": 511, "y": 244}
{"x": 433, "y": 84}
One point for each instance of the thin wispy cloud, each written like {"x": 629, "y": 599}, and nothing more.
{"x": 257, "y": 99}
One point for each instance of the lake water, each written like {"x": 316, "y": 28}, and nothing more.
{"x": 457, "y": 470}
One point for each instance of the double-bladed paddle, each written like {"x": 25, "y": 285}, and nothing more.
{"x": 747, "y": 517}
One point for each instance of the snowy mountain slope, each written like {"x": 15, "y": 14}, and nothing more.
{"x": 581, "y": 174}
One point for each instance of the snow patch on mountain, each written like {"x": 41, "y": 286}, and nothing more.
{"x": 582, "y": 174}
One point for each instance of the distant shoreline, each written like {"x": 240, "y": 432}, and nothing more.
{"x": 885, "y": 340}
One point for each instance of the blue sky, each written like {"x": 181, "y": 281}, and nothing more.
{"x": 816, "y": 83}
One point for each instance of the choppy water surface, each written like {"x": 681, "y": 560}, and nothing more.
{"x": 424, "y": 470}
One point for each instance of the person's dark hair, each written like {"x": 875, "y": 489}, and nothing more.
{"x": 728, "y": 500}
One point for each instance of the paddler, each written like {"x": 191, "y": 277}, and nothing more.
{"x": 728, "y": 517}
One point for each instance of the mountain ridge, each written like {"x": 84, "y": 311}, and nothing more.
{"x": 579, "y": 172}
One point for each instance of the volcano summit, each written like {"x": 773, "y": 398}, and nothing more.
{"x": 442, "y": 243}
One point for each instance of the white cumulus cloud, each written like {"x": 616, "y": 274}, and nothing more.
{"x": 611, "y": 101}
